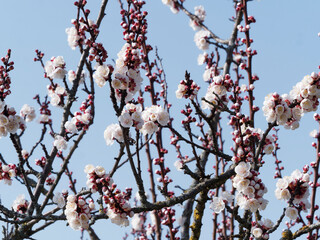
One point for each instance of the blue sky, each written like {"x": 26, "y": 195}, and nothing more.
{"x": 285, "y": 37}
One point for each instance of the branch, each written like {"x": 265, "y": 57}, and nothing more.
{"x": 190, "y": 193}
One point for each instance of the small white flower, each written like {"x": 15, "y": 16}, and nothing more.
{"x": 217, "y": 204}
{"x": 178, "y": 164}
{"x": 243, "y": 169}
{"x": 200, "y": 38}
{"x": 202, "y": 58}
{"x": 291, "y": 213}
{"x": 73, "y": 37}
{"x": 136, "y": 222}
{"x": 313, "y": 133}
{"x": 70, "y": 127}
{"x": 125, "y": 120}
{"x": 27, "y": 112}
{"x": 100, "y": 171}
{"x": 113, "y": 132}
{"x": 59, "y": 200}
{"x": 149, "y": 128}
{"x": 256, "y": 232}
{"x": 60, "y": 143}
{"x": 227, "y": 196}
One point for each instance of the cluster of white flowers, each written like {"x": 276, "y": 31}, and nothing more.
{"x": 59, "y": 199}
{"x": 216, "y": 93}
{"x": 120, "y": 219}
{"x": 55, "y": 68}
{"x": 78, "y": 121}
{"x": 73, "y": 37}
{"x": 287, "y": 109}
{"x": 72, "y": 76}
{"x": 151, "y": 116}
{"x": 28, "y": 113}
{"x": 259, "y": 230}
{"x": 56, "y": 93}
{"x": 97, "y": 178}
{"x": 250, "y": 189}
{"x": 245, "y": 138}
{"x": 101, "y": 74}
{"x": 119, "y": 208}
{"x": 127, "y": 74}
{"x": 187, "y": 89}
{"x": 137, "y": 222}
{"x": 60, "y": 143}
{"x": 9, "y": 121}
{"x": 113, "y": 132}
{"x": 7, "y": 172}
{"x": 78, "y": 212}
{"x": 131, "y": 116}
{"x": 147, "y": 121}
{"x": 296, "y": 187}
{"x": 20, "y": 204}
{"x": 201, "y": 14}
{"x": 306, "y": 93}
{"x": 218, "y": 203}
{"x": 200, "y": 38}
{"x": 171, "y": 4}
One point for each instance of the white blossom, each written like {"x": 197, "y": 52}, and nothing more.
{"x": 58, "y": 199}
{"x": 291, "y": 213}
{"x": 217, "y": 204}
{"x": 60, "y": 143}
{"x": 73, "y": 37}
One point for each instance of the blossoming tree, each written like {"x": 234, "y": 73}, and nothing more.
{"x": 145, "y": 134}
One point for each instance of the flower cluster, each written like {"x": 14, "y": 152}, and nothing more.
{"x": 81, "y": 119}
{"x": 167, "y": 217}
{"x": 200, "y": 13}
{"x": 77, "y": 33}
{"x": 97, "y": 178}
{"x": 131, "y": 116}
{"x": 287, "y": 109}
{"x": 28, "y": 113}
{"x": 9, "y": 121}
{"x": 152, "y": 116}
{"x": 5, "y": 79}
{"x": 45, "y": 112}
{"x": 78, "y": 212}
{"x": 20, "y": 204}
{"x": 243, "y": 140}
{"x": 60, "y": 143}
{"x": 118, "y": 205}
{"x": 200, "y": 38}
{"x": 72, "y": 76}
{"x": 59, "y": 199}
{"x": 7, "y": 172}
{"x": 217, "y": 92}
{"x": 187, "y": 89}
{"x": 57, "y": 94}
{"x": 73, "y": 37}
{"x": 260, "y": 228}
{"x": 295, "y": 190}
{"x": 113, "y": 132}
{"x": 250, "y": 188}
{"x": 55, "y": 68}
{"x": 219, "y": 203}
{"x": 101, "y": 74}
{"x": 119, "y": 208}
{"x": 127, "y": 80}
